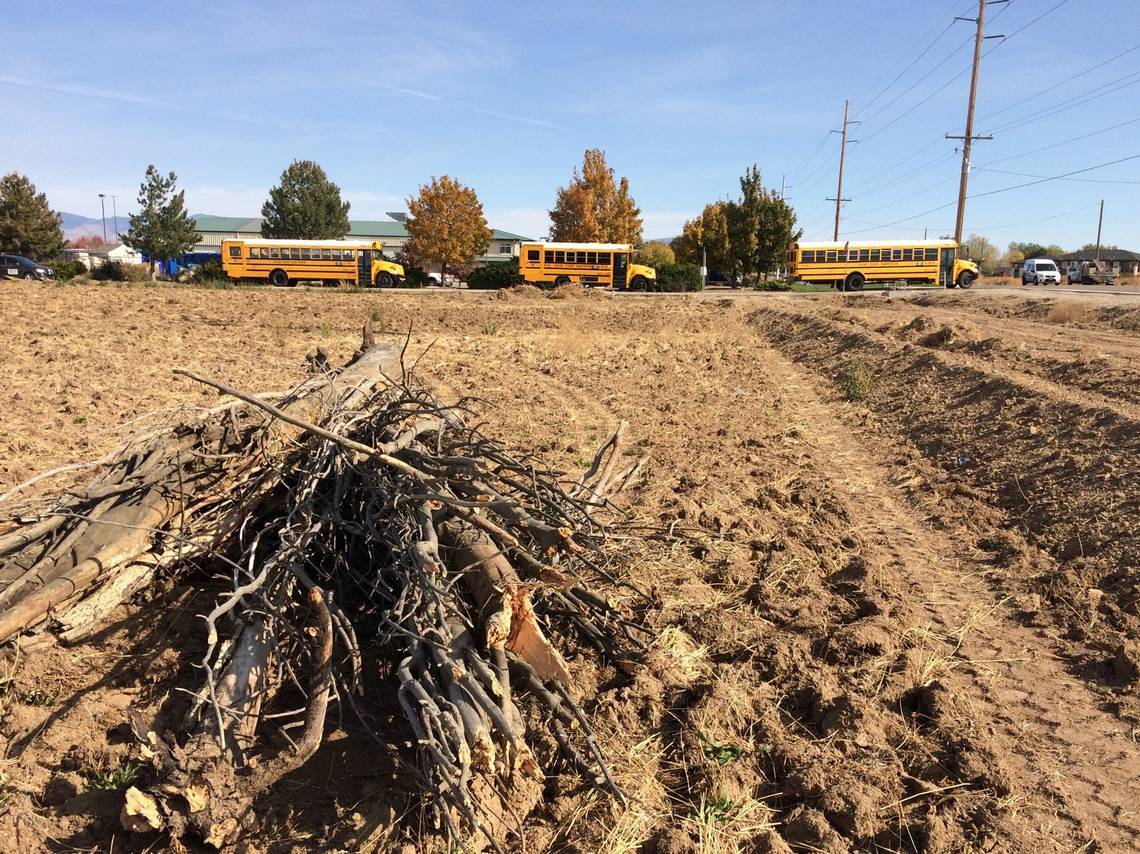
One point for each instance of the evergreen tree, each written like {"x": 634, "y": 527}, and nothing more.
{"x": 27, "y": 225}
{"x": 306, "y": 205}
{"x": 594, "y": 207}
{"x": 162, "y": 229}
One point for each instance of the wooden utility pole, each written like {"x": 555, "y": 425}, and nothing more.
{"x": 839, "y": 200}
{"x": 968, "y": 139}
{"x": 1099, "y": 223}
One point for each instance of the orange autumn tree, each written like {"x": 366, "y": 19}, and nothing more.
{"x": 447, "y": 225}
{"x": 594, "y": 207}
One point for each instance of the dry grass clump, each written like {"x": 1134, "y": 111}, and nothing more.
{"x": 856, "y": 380}
{"x": 1068, "y": 311}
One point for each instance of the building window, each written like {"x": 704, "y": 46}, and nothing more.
{"x": 504, "y": 249}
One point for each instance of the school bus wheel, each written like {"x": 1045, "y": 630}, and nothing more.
{"x": 854, "y": 282}
{"x": 639, "y": 283}
{"x": 384, "y": 280}
{"x": 561, "y": 280}
{"x": 965, "y": 279}
{"x": 279, "y": 279}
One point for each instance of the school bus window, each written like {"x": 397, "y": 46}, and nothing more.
{"x": 305, "y": 254}
{"x": 864, "y": 254}
{"x": 336, "y": 254}
{"x": 273, "y": 252}
{"x": 294, "y": 253}
{"x": 532, "y": 254}
{"x": 932, "y": 254}
{"x": 591, "y": 257}
{"x": 874, "y": 253}
{"x": 326, "y": 254}
{"x": 896, "y": 254}
{"x": 235, "y": 251}
{"x": 548, "y": 256}
{"x": 603, "y": 257}
{"x": 907, "y": 254}
{"x": 349, "y": 254}
{"x": 559, "y": 256}
{"x": 581, "y": 257}
{"x": 830, "y": 256}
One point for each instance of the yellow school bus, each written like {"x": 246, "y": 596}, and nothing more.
{"x": 286, "y": 262}
{"x": 601, "y": 264}
{"x": 849, "y": 265}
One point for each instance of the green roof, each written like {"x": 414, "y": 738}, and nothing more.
{"x": 356, "y": 227}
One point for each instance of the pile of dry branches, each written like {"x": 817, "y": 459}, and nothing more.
{"x": 354, "y": 517}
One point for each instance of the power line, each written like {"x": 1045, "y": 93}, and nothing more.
{"x": 1034, "y": 221}
{"x": 1080, "y": 180}
{"x": 1091, "y": 95}
{"x": 1056, "y": 86}
{"x": 1042, "y": 180}
{"x": 889, "y": 68}
{"x": 1062, "y": 142}
{"x": 796, "y": 174}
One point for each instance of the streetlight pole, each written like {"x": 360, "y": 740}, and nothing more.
{"x": 115, "y": 216}
{"x": 1099, "y": 223}
{"x": 103, "y": 213}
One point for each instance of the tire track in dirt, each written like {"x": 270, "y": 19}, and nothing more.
{"x": 1045, "y": 723}
{"x": 1055, "y": 465}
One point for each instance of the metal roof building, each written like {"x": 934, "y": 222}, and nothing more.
{"x": 390, "y": 232}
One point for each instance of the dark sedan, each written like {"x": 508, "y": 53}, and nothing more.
{"x": 19, "y": 267}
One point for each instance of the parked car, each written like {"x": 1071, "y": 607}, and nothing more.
{"x": 1090, "y": 273}
{"x": 1040, "y": 271}
{"x": 448, "y": 281}
{"x": 19, "y": 267}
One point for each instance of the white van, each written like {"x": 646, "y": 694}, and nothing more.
{"x": 1040, "y": 271}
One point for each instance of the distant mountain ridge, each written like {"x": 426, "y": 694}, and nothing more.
{"x": 76, "y": 226}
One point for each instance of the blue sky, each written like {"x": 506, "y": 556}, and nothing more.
{"x": 682, "y": 96}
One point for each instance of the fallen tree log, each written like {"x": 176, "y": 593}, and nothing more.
{"x": 356, "y": 506}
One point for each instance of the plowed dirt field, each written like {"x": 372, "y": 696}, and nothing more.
{"x": 893, "y": 561}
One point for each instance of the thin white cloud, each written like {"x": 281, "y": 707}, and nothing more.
{"x": 86, "y": 92}
{"x": 413, "y": 92}
{"x": 513, "y": 118}
{"x": 450, "y": 102}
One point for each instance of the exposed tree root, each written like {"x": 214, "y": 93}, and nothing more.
{"x": 355, "y": 507}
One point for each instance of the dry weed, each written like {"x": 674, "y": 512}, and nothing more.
{"x": 1068, "y": 311}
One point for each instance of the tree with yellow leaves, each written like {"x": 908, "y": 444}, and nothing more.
{"x": 594, "y": 207}
{"x": 447, "y": 225}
